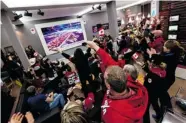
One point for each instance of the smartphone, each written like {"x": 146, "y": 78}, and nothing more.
{"x": 84, "y": 44}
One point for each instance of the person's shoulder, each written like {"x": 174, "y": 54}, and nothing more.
{"x": 40, "y": 96}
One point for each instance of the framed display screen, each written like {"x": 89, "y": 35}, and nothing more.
{"x": 172, "y": 36}
{"x": 173, "y": 28}
{"x": 63, "y": 34}
{"x": 174, "y": 18}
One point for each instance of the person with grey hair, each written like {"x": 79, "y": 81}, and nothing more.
{"x": 44, "y": 102}
{"x": 131, "y": 72}
{"x": 123, "y": 97}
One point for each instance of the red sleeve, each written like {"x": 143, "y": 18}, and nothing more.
{"x": 89, "y": 101}
{"x": 151, "y": 44}
{"x": 106, "y": 58}
{"x": 121, "y": 63}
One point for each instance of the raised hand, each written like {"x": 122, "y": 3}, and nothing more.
{"x": 69, "y": 90}
{"x": 16, "y": 118}
{"x": 151, "y": 51}
{"x": 59, "y": 50}
{"x": 29, "y": 117}
{"x": 92, "y": 45}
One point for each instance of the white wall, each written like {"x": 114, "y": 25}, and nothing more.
{"x": 4, "y": 39}
{"x": 26, "y": 38}
{"x": 92, "y": 19}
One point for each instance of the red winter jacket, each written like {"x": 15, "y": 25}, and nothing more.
{"x": 157, "y": 44}
{"x": 121, "y": 63}
{"x": 107, "y": 60}
{"x": 89, "y": 101}
{"x": 128, "y": 108}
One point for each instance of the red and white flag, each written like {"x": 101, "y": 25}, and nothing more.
{"x": 135, "y": 56}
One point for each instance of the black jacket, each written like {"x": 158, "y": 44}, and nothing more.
{"x": 172, "y": 61}
{"x": 154, "y": 83}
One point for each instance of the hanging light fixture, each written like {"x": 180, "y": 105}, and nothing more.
{"x": 152, "y": 21}
{"x": 137, "y": 19}
{"x": 130, "y": 20}
{"x": 122, "y": 22}
{"x": 143, "y": 17}
{"x": 148, "y": 16}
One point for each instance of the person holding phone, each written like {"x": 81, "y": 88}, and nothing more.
{"x": 44, "y": 102}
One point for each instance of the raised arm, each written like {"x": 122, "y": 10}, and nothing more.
{"x": 105, "y": 57}
{"x": 67, "y": 56}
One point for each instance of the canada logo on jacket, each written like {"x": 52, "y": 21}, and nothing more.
{"x": 105, "y": 105}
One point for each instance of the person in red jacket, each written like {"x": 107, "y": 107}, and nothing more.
{"x": 125, "y": 101}
{"x": 158, "y": 42}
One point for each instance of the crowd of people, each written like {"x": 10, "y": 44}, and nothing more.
{"x": 104, "y": 86}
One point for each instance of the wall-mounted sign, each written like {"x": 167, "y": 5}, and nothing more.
{"x": 173, "y": 28}
{"x": 32, "y": 30}
{"x": 174, "y": 18}
{"x": 172, "y": 36}
{"x": 154, "y": 8}
{"x": 84, "y": 22}
{"x": 105, "y": 26}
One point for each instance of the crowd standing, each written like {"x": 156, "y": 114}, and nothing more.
{"x": 104, "y": 87}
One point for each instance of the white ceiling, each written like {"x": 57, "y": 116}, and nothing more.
{"x": 52, "y": 13}
{"x": 32, "y": 3}
{"x": 60, "y": 11}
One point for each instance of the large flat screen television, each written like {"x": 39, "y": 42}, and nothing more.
{"x": 64, "y": 34}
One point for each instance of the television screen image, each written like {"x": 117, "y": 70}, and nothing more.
{"x": 63, "y": 35}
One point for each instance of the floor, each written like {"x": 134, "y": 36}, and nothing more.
{"x": 172, "y": 91}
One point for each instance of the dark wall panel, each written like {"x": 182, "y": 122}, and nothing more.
{"x": 172, "y": 8}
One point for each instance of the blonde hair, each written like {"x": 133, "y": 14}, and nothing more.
{"x": 174, "y": 47}
{"x": 163, "y": 65}
{"x": 73, "y": 113}
{"x": 170, "y": 44}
